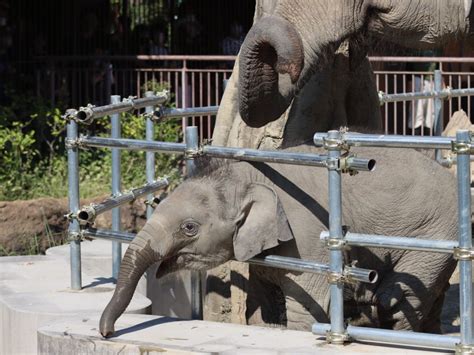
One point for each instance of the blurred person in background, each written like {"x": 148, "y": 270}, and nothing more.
{"x": 421, "y": 112}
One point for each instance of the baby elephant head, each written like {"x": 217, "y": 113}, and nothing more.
{"x": 203, "y": 223}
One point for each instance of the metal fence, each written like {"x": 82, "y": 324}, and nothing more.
{"x": 393, "y": 77}
{"x": 334, "y": 141}
{"x": 196, "y": 81}
{"x": 193, "y": 81}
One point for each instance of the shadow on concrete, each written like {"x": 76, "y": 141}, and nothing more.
{"x": 100, "y": 281}
{"x": 147, "y": 324}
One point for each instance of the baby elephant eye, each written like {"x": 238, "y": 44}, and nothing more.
{"x": 190, "y": 228}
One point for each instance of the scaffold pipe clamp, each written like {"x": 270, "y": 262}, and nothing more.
{"x": 337, "y": 338}
{"x": 462, "y": 349}
{"x": 463, "y": 254}
{"x": 461, "y": 147}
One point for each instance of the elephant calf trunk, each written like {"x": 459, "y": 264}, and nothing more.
{"x": 137, "y": 259}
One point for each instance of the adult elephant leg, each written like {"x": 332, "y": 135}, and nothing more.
{"x": 362, "y": 101}
{"x": 407, "y": 296}
{"x": 432, "y": 323}
{"x": 265, "y": 299}
{"x": 306, "y": 299}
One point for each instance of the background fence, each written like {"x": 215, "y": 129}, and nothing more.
{"x": 196, "y": 81}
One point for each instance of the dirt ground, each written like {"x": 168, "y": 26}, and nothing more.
{"x": 32, "y": 226}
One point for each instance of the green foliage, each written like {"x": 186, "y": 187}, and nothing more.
{"x": 33, "y": 157}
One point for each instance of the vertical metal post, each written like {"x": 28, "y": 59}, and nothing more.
{"x": 150, "y": 156}
{"x": 184, "y": 84}
{"x": 108, "y": 80}
{"x": 438, "y": 109}
{"x": 73, "y": 186}
{"x": 465, "y": 237}
{"x": 336, "y": 311}
{"x": 116, "y": 188}
{"x": 192, "y": 145}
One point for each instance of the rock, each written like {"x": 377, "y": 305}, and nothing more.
{"x": 458, "y": 121}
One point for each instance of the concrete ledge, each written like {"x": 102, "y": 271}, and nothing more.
{"x": 35, "y": 292}
{"x": 171, "y": 295}
{"x": 139, "y": 334}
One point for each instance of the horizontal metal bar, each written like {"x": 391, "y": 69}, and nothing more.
{"x": 360, "y": 164}
{"x": 397, "y": 337}
{"x": 409, "y": 96}
{"x": 131, "y": 144}
{"x": 275, "y": 261}
{"x": 122, "y": 237}
{"x": 166, "y": 114}
{"x": 422, "y": 59}
{"x": 402, "y": 243}
{"x": 270, "y": 156}
{"x": 392, "y": 141}
{"x": 89, "y": 113}
{"x": 450, "y": 161}
{"x": 292, "y": 264}
{"x": 89, "y": 213}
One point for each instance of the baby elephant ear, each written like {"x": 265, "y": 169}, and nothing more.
{"x": 261, "y": 223}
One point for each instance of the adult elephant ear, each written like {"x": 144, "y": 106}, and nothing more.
{"x": 261, "y": 224}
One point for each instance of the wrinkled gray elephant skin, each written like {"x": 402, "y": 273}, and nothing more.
{"x": 240, "y": 209}
{"x": 284, "y": 49}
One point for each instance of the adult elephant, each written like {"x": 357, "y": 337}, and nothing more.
{"x": 303, "y": 64}
{"x": 303, "y": 68}
{"x": 280, "y": 209}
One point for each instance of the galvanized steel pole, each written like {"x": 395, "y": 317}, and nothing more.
{"x": 192, "y": 146}
{"x": 87, "y": 214}
{"x": 173, "y": 113}
{"x": 463, "y": 141}
{"x": 336, "y": 262}
{"x": 131, "y": 144}
{"x": 393, "y": 337}
{"x": 395, "y": 242}
{"x": 73, "y": 186}
{"x": 150, "y": 156}
{"x": 89, "y": 113}
{"x": 116, "y": 187}
{"x": 390, "y": 141}
{"x": 438, "y": 109}
{"x": 280, "y": 157}
{"x": 423, "y": 95}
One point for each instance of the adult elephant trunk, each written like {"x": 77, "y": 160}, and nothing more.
{"x": 141, "y": 254}
{"x": 271, "y": 49}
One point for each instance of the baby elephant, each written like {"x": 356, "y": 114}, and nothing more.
{"x": 240, "y": 209}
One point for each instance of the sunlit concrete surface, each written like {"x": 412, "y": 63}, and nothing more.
{"x": 34, "y": 291}
{"x": 146, "y": 334}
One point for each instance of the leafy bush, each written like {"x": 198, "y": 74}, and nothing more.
{"x": 34, "y": 161}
